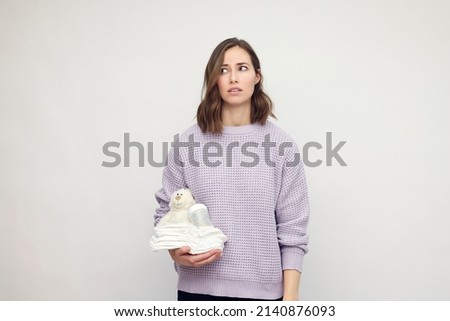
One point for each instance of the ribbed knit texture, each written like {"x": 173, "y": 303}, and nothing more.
{"x": 262, "y": 207}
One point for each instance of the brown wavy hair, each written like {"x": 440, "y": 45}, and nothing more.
{"x": 209, "y": 111}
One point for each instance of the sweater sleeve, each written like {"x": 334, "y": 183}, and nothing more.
{"x": 172, "y": 180}
{"x": 292, "y": 212}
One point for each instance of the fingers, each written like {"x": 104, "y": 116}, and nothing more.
{"x": 183, "y": 250}
{"x": 211, "y": 257}
{"x": 182, "y": 257}
{"x": 199, "y": 260}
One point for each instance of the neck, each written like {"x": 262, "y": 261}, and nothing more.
{"x": 236, "y": 116}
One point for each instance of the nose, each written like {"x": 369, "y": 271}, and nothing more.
{"x": 233, "y": 77}
{"x": 178, "y": 197}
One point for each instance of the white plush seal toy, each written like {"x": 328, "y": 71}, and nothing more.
{"x": 180, "y": 202}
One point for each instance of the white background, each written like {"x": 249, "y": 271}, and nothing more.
{"x": 75, "y": 75}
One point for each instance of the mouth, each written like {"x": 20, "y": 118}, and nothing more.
{"x": 234, "y": 90}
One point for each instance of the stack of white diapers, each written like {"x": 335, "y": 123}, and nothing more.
{"x": 198, "y": 233}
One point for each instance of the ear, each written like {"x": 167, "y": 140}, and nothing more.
{"x": 258, "y": 76}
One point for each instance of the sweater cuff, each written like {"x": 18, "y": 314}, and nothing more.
{"x": 291, "y": 260}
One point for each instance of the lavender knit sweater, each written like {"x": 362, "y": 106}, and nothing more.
{"x": 252, "y": 180}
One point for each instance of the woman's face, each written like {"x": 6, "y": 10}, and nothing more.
{"x": 237, "y": 79}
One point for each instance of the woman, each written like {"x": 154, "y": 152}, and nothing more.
{"x": 248, "y": 172}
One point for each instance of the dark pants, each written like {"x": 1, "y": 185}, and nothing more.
{"x": 186, "y": 296}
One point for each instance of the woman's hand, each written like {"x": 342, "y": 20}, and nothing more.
{"x": 291, "y": 280}
{"x": 182, "y": 257}
{"x": 288, "y": 297}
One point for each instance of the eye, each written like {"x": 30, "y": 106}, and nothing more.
{"x": 223, "y": 70}
{"x": 243, "y": 68}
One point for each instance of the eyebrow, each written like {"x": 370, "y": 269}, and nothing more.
{"x": 239, "y": 64}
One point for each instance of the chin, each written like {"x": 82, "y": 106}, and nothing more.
{"x": 237, "y": 103}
